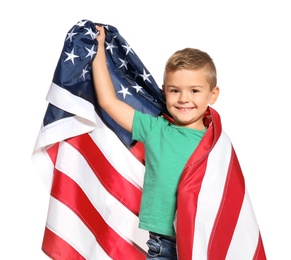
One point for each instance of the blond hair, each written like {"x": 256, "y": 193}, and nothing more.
{"x": 192, "y": 59}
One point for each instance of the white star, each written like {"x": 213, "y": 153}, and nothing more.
{"x": 91, "y": 52}
{"x": 145, "y": 76}
{"x": 124, "y": 91}
{"x": 110, "y": 46}
{"x": 71, "y": 56}
{"x": 70, "y": 35}
{"x": 81, "y": 23}
{"x": 128, "y": 48}
{"x": 85, "y": 71}
{"x": 123, "y": 63}
{"x": 137, "y": 88}
{"x": 91, "y": 33}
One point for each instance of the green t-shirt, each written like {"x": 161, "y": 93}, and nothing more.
{"x": 167, "y": 149}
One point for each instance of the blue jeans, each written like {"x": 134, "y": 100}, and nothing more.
{"x": 161, "y": 247}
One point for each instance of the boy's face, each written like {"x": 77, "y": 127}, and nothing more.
{"x": 188, "y": 95}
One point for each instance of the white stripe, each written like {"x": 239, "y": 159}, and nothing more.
{"x": 66, "y": 101}
{"x": 44, "y": 165}
{"x": 83, "y": 122}
{"x": 115, "y": 214}
{"x": 210, "y": 195}
{"x": 60, "y": 130}
{"x": 246, "y": 235}
{"x": 64, "y": 223}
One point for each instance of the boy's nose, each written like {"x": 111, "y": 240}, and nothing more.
{"x": 184, "y": 97}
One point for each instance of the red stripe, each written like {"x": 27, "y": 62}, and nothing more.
{"x": 187, "y": 209}
{"x": 53, "y": 152}
{"x": 260, "y": 252}
{"x": 169, "y": 118}
{"x": 68, "y": 192}
{"x": 57, "y": 248}
{"x": 138, "y": 151}
{"x": 228, "y": 212}
{"x": 115, "y": 184}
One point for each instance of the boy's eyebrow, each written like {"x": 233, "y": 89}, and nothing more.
{"x": 192, "y": 86}
{"x": 197, "y": 86}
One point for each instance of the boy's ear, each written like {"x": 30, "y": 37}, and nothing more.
{"x": 163, "y": 89}
{"x": 215, "y": 94}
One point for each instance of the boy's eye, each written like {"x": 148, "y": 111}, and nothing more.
{"x": 174, "y": 90}
{"x": 195, "y": 90}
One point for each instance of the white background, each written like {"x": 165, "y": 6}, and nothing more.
{"x": 250, "y": 44}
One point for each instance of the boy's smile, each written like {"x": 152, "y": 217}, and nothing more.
{"x": 188, "y": 95}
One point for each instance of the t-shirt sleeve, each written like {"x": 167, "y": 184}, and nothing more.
{"x": 142, "y": 125}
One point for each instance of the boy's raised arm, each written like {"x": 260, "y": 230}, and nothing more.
{"x": 121, "y": 112}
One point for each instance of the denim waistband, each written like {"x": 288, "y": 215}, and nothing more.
{"x": 172, "y": 238}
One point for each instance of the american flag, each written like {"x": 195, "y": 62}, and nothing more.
{"x": 94, "y": 170}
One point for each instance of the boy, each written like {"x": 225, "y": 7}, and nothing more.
{"x": 189, "y": 87}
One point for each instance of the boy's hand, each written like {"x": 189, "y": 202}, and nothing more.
{"x": 101, "y": 35}
{"x": 101, "y": 42}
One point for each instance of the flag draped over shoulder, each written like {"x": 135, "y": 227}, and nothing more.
{"x": 215, "y": 218}
{"x": 94, "y": 170}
